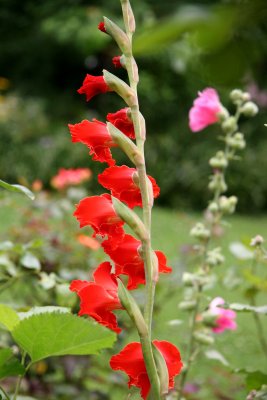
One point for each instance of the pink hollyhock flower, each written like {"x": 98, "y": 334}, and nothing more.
{"x": 117, "y": 62}
{"x": 100, "y": 296}
{"x": 99, "y": 213}
{"x": 120, "y": 181}
{"x": 70, "y": 177}
{"x": 96, "y": 137}
{"x": 121, "y": 120}
{"x": 93, "y": 85}
{"x": 131, "y": 361}
{"x": 225, "y": 317}
{"x": 205, "y": 110}
{"x": 129, "y": 262}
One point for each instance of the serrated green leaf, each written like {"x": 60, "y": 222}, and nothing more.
{"x": 57, "y": 334}
{"x": 42, "y": 310}
{"x": 17, "y": 188}
{"x": 29, "y": 260}
{"x": 246, "y": 307}
{"x": 8, "y": 317}
{"x": 9, "y": 365}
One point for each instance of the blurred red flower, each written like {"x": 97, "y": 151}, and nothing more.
{"x": 70, "y": 177}
{"x": 99, "y": 213}
{"x": 129, "y": 262}
{"x": 88, "y": 241}
{"x": 99, "y": 297}
{"x": 121, "y": 181}
{"x": 117, "y": 61}
{"x": 131, "y": 361}
{"x": 101, "y": 27}
{"x": 93, "y": 85}
{"x": 96, "y": 137}
{"x": 121, "y": 120}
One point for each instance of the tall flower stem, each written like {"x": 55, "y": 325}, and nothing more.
{"x": 147, "y": 202}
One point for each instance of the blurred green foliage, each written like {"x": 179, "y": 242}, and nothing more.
{"x": 181, "y": 48}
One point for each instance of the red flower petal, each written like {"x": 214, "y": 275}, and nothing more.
{"x": 129, "y": 262}
{"x": 99, "y": 297}
{"x": 95, "y": 136}
{"x": 98, "y": 212}
{"x": 121, "y": 183}
{"x": 130, "y": 360}
{"x": 117, "y": 61}
{"x": 93, "y": 85}
{"x": 121, "y": 120}
{"x": 101, "y": 27}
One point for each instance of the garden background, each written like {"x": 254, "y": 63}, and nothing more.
{"x": 181, "y": 47}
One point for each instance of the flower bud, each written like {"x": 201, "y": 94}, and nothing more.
{"x": 203, "y": 338}
{"x": 246, "y": 96}
{"x": 162, "y": 370}
{"x": 131, "y": 219}
{"x": 187, "y": 305}
{"x": 213, "y": 207}
{"x": 199, "y": 231}
{"x": 118, "y": 35}
{"x": 128, "y": 16}
{"x": 229, "y": 125}
{"x": 236, "y": 96}
{"x": 217, "y": 182}
{"x": 121, "y": 88}
{"x": 189, "y": 279}
{"x": 209, "y": 319}
{"x": 223, "y": 114}
{"x": 228, "y": 204}
{"x": 214, "y": 257}
{"x": 236, "y": 141}
{"x": 219, "y": 161}
{"x": 257, "y": 241}
{"x": 249, "y": 109}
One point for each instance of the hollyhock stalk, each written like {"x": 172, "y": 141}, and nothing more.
{"x": 147, "y": 201}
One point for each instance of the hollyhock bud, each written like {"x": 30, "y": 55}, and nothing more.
{"x": 257, "y": 241}
{"x": 99, "y": 297}
{"x": 128, "y": 260}
{"x": 249, "y": 109}
{"x": 228, "y": 204}
{"x": 199, "y": 231}
{"x": 122, "y": 121}
{"x": 225, "y": 317}
{"x": 236, "y": 96}
{"x": 93, "y": 85}
{"x": 205, "y": 110}
{"x": 229, "y": 125}
{"x": 203, "y": 338}
{"x": 96, "y": 137}
{"x": 237, "y": 141}
{"x": 131, "y": 361}
{"x": 187, "y": 305}
{"x": 99, "y": 213}
{"x": 215, "y": 257}
{"x": 219, "y": 161}
{"x": 217, "y": 182}
{"x": 120, "y": 180}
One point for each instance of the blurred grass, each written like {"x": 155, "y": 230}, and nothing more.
{"x": 171, "y": 235}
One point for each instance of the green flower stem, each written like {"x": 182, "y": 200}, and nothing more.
{"x": 147, "y": 202}
{"x": 23, "y": 358}
{"x": 5, "y": 393}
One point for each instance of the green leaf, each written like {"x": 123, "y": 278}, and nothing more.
{"x": 17, "y": 188}
{"x": 254, "y": 379}
{"x": 9, "y": 365}
{"x": 42, "y": 310}
{"x": 29, "y": 260}
{"x": 57, "y": 334}
{"x": 216, "y": 355}
{"x": 246, "y": 307}
{"x": 8, "y": 317}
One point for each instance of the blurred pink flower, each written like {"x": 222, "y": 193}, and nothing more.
{"x": 205, "y": 110}
{"x": 225, "y": 317}
{"x": 70, "y": 177}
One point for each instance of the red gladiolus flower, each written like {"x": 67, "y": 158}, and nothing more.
{"x": 101, "y": 27}
{"x": 129, "y": 262}
{"x": 117, "y": 62}
{"x": 93, "y": 85}
{"x": 131, "y": 361}
{"x": 121, "y": 120}
{"x": 98, "y": 212}
{"x": 120, "y": 181}
{"x": 99, "y": 297}
{"x": 95, "y": 136}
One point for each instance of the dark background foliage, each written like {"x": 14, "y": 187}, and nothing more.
{"x": 181, "y": 47}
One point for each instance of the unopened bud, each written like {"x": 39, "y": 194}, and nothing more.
{"x": 213, "y": 207}
{"x": 236, "y": 96}
{"x": 236, "y": 141}
{"x": 203, "y": 338}
{"x": 229, "y": 125}
{"x": 215, "y": 257}
{"x": 249, "y": 109}
{"x": 209, "y": 319}
{"x": 219, "y": 161}
{"x": 246, "y": 96}
{"x": 217, "y": 182}
{"x": 189, "y": 279}
{"x": 188, "y": 305}
{"x": 228, "y": 204}
{"x": 199, "y": 231}
{"x": 118, "y": 35}
{"x": 223, "y": 114}
{"x": 257, "y": 241}
{"x": 121, "y": 88}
